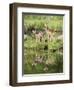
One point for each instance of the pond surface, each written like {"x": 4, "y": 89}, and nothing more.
{"x": 42, "y": 61}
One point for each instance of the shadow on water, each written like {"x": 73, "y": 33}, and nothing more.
{"x": 42, "y": 61}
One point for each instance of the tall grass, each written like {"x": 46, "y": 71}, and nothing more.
{"x": 53, "y": 22}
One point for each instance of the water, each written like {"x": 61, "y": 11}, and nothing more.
{"x": 42, "y": 61}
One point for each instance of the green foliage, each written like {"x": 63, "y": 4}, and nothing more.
{"x": 43, "y": 56}
{"x": 55, "y": 44}
{"x": 38, "y": 21}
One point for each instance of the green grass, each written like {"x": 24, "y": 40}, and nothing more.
{"x": 53, "y": 22}
{"x": 31, "y": 43}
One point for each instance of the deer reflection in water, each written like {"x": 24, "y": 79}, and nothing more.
{"x": 42, "y": 62}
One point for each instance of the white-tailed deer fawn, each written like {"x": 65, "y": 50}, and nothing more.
{"x": 49, "y": 32}
{"x": 38, "y": 36}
